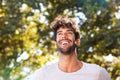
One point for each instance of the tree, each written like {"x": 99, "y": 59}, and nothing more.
{"x": 26, "y": 42}
{"x": 100, "y": 39}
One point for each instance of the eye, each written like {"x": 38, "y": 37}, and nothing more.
{"x": 59, "y": 33}
{"x": 70, "y": 32}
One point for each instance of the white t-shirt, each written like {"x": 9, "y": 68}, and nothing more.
{"x": 87, "y": 72}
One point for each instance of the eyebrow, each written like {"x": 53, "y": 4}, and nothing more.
{"x": 67, "y": 30}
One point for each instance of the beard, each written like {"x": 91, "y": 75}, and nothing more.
{"x": 67, "y": 50}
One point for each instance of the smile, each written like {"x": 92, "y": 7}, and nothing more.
{"x": 64, "y": 43}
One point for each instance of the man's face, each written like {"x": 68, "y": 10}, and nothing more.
{"x": 65, "y": 40}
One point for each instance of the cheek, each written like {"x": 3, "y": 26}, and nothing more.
{"x": 71, "y": 38}
{"x": 57, "y": 40}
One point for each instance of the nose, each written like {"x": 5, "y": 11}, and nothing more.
{"x": 64, "y": 36}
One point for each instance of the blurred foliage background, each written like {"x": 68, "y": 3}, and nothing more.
{"x": 26, "y": 41}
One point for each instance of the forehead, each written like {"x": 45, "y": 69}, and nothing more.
{"x": 65, "y": 28}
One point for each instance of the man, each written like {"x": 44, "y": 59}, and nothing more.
{"x": 68, "y": 67}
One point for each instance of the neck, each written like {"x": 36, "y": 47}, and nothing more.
{"x": 69, "y": 63}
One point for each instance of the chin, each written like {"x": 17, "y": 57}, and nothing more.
{"x": 66, "y": 51}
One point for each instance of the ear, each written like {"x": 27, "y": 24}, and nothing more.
{"x": 77, "y": 42}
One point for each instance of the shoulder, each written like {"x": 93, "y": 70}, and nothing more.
{"x": 35, "y": 75}
{"x": 40, "y": 73}
{"x": 103, "y": 75}
{"x": 92, "y": 67}
{"x": 46, "y": 68}
{"x": 100, "y": 71}
{"x": 49, "y": 67}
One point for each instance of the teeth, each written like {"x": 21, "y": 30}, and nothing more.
{"x": 64, "y": 43}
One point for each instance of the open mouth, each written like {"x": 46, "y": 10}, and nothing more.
{"x": 64, "y": 43}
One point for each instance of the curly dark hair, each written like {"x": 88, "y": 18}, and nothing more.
{"x": 65, "y": 21}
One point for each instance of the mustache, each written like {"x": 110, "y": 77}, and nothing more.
{"x": 65, "y": 39}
